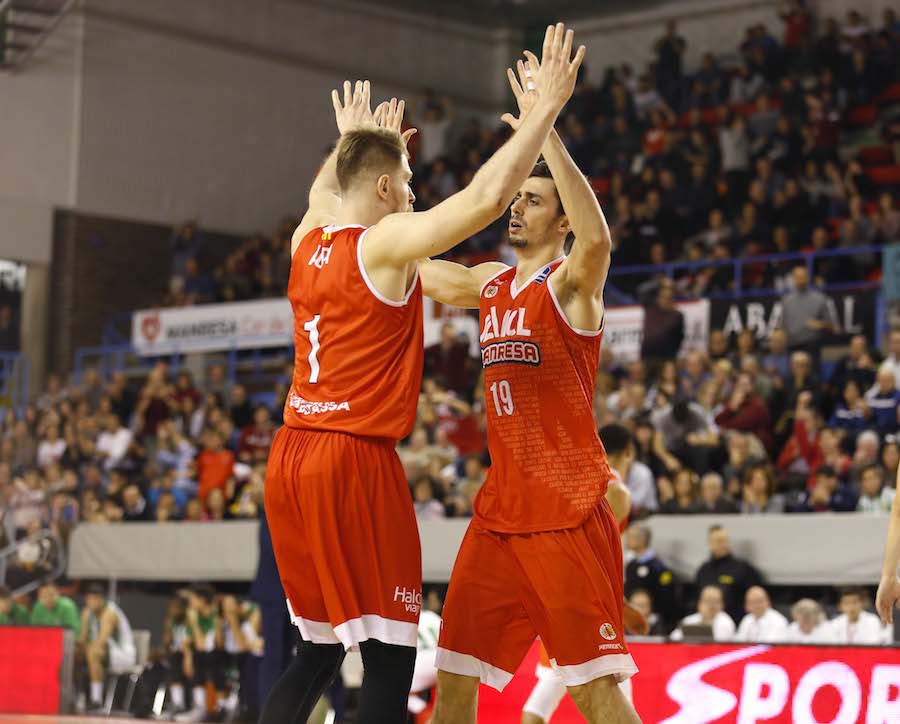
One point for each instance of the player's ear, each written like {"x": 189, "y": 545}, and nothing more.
{"x": 383, "y": 186}
{"x": 564, "y": 224}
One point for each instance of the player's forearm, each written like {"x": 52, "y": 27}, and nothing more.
{"x": 578, "y": 199}
{"x": 892, "y": 547}
{"x": 498, "y": 181}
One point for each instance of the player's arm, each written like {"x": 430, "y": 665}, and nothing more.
{"x": 889, "y": 588}
{"x": 619, "y": 498}
{"x": 400, "y": 239}
{"x": 454, "y": 284}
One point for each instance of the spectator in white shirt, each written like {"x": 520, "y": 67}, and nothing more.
{"x": 113, "y": 442}
{"x": 856, "y": 626}
{"x": 51, "y": 448}
{"x": 874, "y": 495}
{"x": 642, "y": 485}
{"x": 762, "y": 624}
{"x": 710, "y": 612}
{"x": 892, "y": 361}
{"x": 809, "y": 625}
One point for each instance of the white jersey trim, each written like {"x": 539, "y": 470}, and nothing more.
{"x": 513, "y": 287}
{"x": 492, "y": 278}
{"x": 353, "y": 632}
{"x": 378, "y": 295}
{"x": 621, "y": 666}
{"x": 332, "y": 229}
{"x": 454, "y": 662}
{"x": 582, "y": 332}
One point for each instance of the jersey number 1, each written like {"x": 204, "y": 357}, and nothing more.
{"x": 312, "y": 326}
{"x": 503, "y": 401}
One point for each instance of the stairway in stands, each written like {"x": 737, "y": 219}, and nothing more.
{"x": 24, "y": 26}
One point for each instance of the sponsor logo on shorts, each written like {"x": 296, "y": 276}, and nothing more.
{"x": 409, "y": 597}
{"x": 306, "y": 407}
{"x": 609, "y": 647}
{"x": 527, "y": 353}
{"x": 608, "y": 632}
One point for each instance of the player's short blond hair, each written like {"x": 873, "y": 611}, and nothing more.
{"x": 368, "y": 151}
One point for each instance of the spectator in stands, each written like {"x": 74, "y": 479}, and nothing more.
{"x": 855, "y": 625}
{"x": 759, "y": 492}
{"x": 53, "y": 609}
{"x": 747, "y": 412}
{"x": 256, "y": 439}
{"x": 240, "y": 409}
{"x": 828, "y": 494}
{"x": 155, "y": 403}
{"x": 113, "y": 442}
{"x": 217, "y": 382}
{"x": 852, "y": 413}
{"x": 808, "y": 315}
{"x": 663, "y": 326}
{"x": 686, "y": 433}
{"x": 890, "y": 457}
{"x": 12, "y": 613}
{"x": 777, "y": 362}
{"x": 874, "y": 495}
{"x": 134, "y": 505}
{"x": 51, "y": 448}
{"x": 732, "y": 574}
{"x": 809, "y": 624}
{"x": 215, "y": 467}
{"x": 679, "y": 497}
{"x": 710, "y": 613}
{"x": 198, "y": 286}
{"x": 449, "y": 361}
{"x": 643, "y": 602}
{"x": 883, "y": 400}
{"x": 887, "y": 224}
{"x": 762, "y": 624}
{"x": 712, "y": 496}
{"x": 802, "y": 454}
{"x": 646, "y": 571}
{"x": 425, "y": 502}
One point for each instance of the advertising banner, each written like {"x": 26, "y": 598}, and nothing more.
{"x": 31, "y": 666}
{"x": 730, "y": 684}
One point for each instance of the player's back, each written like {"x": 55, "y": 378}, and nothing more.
{"x": 358, "y": 356}
{"x": 548, "y": 467}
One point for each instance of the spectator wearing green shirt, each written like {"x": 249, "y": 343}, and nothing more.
{"x": 52, "y": 609}
{"x": 11, "y": 612}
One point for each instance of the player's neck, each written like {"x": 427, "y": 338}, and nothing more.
{"x": 357, "y": 213}
{"x": 531, "y": 261}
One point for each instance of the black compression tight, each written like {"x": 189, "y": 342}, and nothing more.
{"x": 295, "y": 694}
{"x": 385, "y": 688}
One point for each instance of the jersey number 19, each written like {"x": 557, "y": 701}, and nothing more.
{"x": 503, "y": 401}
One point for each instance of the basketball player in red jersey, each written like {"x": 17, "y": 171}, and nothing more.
{"x": 550, "y": 688}
{"x": 542, "y": 555}
{"x": 338, "y": 505}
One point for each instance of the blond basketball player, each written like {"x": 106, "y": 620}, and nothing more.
{"x": 338, "y": 505}
{"x": 889, "y": 589}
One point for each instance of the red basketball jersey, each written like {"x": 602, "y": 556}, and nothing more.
{"x": 358, "y": 359}
{"x": 548, "y": 467}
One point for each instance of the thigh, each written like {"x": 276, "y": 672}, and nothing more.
{"x": 575, "y": 597}
{"x": 485, "y": 629}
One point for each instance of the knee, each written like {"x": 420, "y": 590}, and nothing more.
{"x": 594, "y": 692}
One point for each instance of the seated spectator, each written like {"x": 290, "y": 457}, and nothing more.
{"x": 216, "y": 506}
{"x": 759, "y": 492}
{"x": 215, "y": 467}
{"x": 828, "y": 495}
{"x": 12, "y": 613}
{"x": 712, "y": 498}
{"x": 695, "y": 373}
{"x": 166, "y": 509}
{"x": 134, "y": 505}
{"x": 868, "y": 444}
{"x": 874, "y": 495}
{"x": 642, "y": 485}
{"x": 744, "y": 451}
{"x": 53, "y": 609}
{"x": 416, "y": 456}
{"x": 887, "y": 225}
{"x": 777, "y": 362}
{"x": 890, "y": 457}
{"x": 857, "y": 626}
{"x": 884, "y": 399}
{"x": 802, "y": 453}
{"x": 113, "y": 442}
{"x": 646, "y": 571}
{"x": 680, "y": 496}
{"x": 449, "y": 362}
{"x": 892, "y": 360}
{"x": 193, "y": 511}
{"x": 686, "y": 433}
{"x": 106, "y": 641}
{"x": 852, "y": 413}
{"x": 733, "y": 575}
{"x": 762, "y": 624}
{"x": 856, "y": 365}
{"x": 643, "y": 602}
{"x": 256, "y": 439}
{"x": 710, "y": 613}
{"x": 747, "y": 412}
{"x": 51, "y": 448}
{"x": 809, "y": 625}
{"x": 241, "y": 409}
{"x": 425, "y": 503}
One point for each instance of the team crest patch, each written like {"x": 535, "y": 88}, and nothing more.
{"x": 608, "y": 632}
{"x": 491, "y": 291}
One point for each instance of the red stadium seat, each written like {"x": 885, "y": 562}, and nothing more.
{"x": 862, "y": 115}
{"x": 876, "y": 156}
{"x": 884, "y": 175}
{"x": 890, "y": 94}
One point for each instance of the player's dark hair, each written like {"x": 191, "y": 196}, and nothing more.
{"x": 204, "y": 591}
{"x": 616, "y": 438}
{"x": 714, "y": 529}
{"x": 97, "y": 589}
{"x": 367, "y": 151}
{"x": 857, "y": 591}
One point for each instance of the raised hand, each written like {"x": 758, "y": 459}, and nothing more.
{"x": 887, "y": 597}
{"x": 390, "y": 115}
{"x": 523, "y": 89}
{"x": 556, "y": 72}
{"x": 355, "y": 111}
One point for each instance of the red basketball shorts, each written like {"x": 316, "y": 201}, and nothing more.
{"x": 345, "y": 537}
{"x": 564, "y": 586}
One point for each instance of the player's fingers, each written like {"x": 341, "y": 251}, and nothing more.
{"x": 547, "y": 50}
{"x": 393, "y": 112}
{"x": 348, "y": 93}
{"x": 408, "y": 133}
{"x": 336, "y": 101}
{"x": 558, "y": 33}
{"x": 513, "y": 83}
{"x": 576, "y": 62}
{"x": 367, "y": 94}
{"x": 567, "y": 45}
{"x": 509, "y": 119}
{"x": 357, "y": 92}
{"x": 401, "y": 109}
{"x": 526, "y": 77}
{"x": 378, "y": 115}
{"x": 534, "y": 65}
